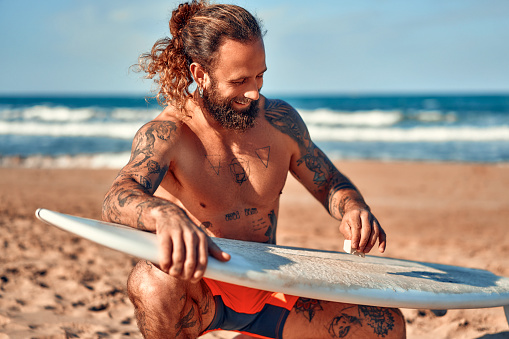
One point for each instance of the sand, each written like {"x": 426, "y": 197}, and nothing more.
{"x": 56, "y": 285}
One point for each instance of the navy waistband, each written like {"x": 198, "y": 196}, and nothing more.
{"x": 269, "y": 322}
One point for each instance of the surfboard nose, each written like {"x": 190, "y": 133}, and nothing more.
{"x": 38, "y": 213}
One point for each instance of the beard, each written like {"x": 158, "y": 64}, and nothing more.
{"x": 221, "y": 109}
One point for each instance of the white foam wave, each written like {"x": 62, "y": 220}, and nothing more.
{"x": 121, "y": 130}
{"x": 67, "y": 114}
{"x": 46, "y": 113}
{"x": 59, "y": 113}
{"x": 127, "y": 130}
{"x": 94, "y": 161}
{"x": 375, "y": 118}
{"x": 133, "y": 114}
{"x": 435, "y": 116}
{"x": 420, "y": 134}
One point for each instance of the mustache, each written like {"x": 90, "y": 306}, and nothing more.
{"x": 244, "y": 101}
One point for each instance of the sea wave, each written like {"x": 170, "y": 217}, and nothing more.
{"x": 44, "y": 113}
{"x": 373, "y": 118}
{"x": 127, "y": 130}
{"x": 120, "y": 130}
{"x": 319, "y": 116}
{"x": 420, "y": 134}
{"x": 94, "y": 161}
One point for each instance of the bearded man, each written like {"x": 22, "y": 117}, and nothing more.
{"x": 212, "y": 152}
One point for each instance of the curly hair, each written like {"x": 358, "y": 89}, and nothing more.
{"x": 198, "y": 30}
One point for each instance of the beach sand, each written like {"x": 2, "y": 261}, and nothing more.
{"x": 56, "y": 285}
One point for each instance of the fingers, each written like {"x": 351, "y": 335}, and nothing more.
{"x": 165, "y": 250}
{"x": 216, "y": 252}
{"x": 183, "y": 254}
{"x": 187, "y": 262}
{"x": 202, "y": 257}
{"x": 364, "y": 230}
{"x": 382, "y": 240}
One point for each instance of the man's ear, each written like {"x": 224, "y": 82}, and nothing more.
{"x": 199, "y": 74}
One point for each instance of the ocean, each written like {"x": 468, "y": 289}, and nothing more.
{"x": 93, "y": 131}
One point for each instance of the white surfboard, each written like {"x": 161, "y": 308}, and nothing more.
{"x": 317, "y": 274}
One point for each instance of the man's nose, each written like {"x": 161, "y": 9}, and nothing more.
{"x": 252, "y": 92}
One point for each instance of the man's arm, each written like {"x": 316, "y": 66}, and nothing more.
{"x": 319, "y": 175}
{"x": 184, "y": 247}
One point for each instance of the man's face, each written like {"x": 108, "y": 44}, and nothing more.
{"x": 232, "y": 93}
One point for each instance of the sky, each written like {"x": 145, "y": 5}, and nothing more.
{"x": 312, "y": 47}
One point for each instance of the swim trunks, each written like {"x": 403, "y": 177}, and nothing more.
{"x": 246, "y": 310}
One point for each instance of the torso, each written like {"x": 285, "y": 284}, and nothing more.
{"x": 230, "y": 186}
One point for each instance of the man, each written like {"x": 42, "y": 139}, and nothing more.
{"x": 209, "y": 157}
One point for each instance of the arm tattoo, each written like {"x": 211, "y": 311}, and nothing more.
{"x": 142, "y": 207}
{"x": 318, "y": 163}
{"x": 284, "y": 118}
{"x": 338, "y": 183}
{"x": 153, "y": 167}
{"x": 145, "y": 182}
{"x": 144, "y": 141}
{"x": 132, "y": 190}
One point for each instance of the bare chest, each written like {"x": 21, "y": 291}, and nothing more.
{"x": 212, "y": 179}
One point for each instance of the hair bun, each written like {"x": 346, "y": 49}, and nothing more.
{"x": 182, "y": 14}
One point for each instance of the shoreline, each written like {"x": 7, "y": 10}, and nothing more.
{"x": 54, "y": 284}
{"x": 115, "y": 161}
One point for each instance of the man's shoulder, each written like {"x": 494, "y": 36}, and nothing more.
{"x": 284, "y": 118}
{"x": 271, "y": 105}
{"x": 279, "y": 112}
{"x": 164, "y": 127}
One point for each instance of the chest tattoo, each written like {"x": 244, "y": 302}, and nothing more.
{"x": 238, "y": 167}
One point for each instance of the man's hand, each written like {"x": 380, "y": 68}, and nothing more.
{"x": 361, "y": 226}
{"x": 184, "y": 248}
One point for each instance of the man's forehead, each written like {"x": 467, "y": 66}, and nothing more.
{"x": 239, "y": 59}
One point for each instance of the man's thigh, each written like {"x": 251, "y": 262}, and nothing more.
{"x": 312, "y": 318}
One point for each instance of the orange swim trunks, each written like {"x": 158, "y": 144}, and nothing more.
{"x": 246, "y": 310}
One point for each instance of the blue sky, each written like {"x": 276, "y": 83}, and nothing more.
{"x": 332, "y": 46}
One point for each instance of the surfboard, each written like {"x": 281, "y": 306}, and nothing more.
{"x": 310, "y": 273}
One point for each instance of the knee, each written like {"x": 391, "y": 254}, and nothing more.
{"x": 139, "y": 283}
{"x": 146, "y": 281}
